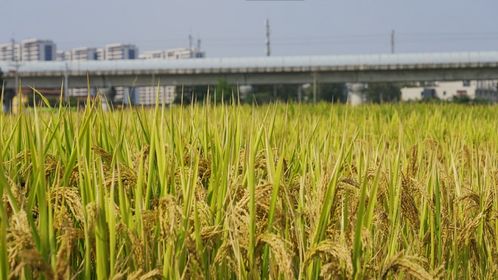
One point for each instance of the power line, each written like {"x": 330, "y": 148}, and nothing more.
{"x": 396, "y": 40}
{"x": 298, "y": 39}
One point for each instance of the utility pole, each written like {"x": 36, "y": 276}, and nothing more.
{"x": 16, "y": 61}
{"x": 268, "y": 50}
{"x": 13, "y": 50}
{"x": 66, "y": 83}
{"x": 314, "y": 87}
{"x": 393, "y": 41}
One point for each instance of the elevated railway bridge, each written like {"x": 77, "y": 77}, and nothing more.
{"x": 353, "y": 69}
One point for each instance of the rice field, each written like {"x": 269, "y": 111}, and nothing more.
{"x": 238, "y": 192}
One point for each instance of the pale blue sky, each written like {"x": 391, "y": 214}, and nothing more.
{"x": 236, "y": 27}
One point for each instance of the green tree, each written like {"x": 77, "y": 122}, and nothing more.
{"x": 224, "y": 92}
{"x": 189, "y": 94}
{"x": 271, "y": 93}
{"x": 335, "y": 93}
{"x": 383, "y": 92}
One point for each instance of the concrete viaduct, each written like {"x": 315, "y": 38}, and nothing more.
{"x": 257, "y": 70}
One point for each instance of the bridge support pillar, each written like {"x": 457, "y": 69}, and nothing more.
{"x": 7, "y": 101}
{"x": 106, "y": 97}
{"x": 300, "y": 93}
{"x": 355, "y": 93}
{"x": 315, "y": 87}
{"x": 131, "y": 97}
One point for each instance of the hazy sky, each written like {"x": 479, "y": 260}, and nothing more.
{"x": 237, "y": 27}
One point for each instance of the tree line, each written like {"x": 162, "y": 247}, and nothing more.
{"x": 262, "y": 94}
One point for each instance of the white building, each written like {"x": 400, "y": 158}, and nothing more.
{"x": 100, "y": 54}
{"x": 10, "y": 52}
{"x": 38, "y": 50}
{"x": 120, "y": 51}
{"x": 117, "y": 52}
{"x": 28, "y": 50}
{"x": 63, "y": 55}
{"x": 147, "y": 95}
{"x": 481, "y": 90}
{"x": 165, "y": 94}
{"x": 152, "y": 55}
{"x": 109, "y": 52}
{"x": 179, "y": 53}
{"x": 84, "y": 54}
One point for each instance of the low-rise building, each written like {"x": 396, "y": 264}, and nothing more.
{"x": 475, "y": 90}
{"x": 148, "y": 95}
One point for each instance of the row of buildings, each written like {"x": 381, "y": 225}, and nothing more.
{"x": 486, "y": 90}
{"x": 109, "y": 52}
{"x": 462, "y": 91}
{"x": 46, "y": 50}
{"x": 28, "y": 50}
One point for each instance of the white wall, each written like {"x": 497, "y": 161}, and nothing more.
{"x": 449, "y": 90}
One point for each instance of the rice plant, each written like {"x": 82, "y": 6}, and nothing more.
{"x": 281, "y": 191}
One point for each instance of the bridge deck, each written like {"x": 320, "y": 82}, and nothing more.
{"x": 298, "y": 69}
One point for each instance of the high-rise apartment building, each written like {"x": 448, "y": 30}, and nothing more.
{"x": 100, "y": 54}
{"x": 28, "y": 50}
{"x": 38, "y": 50}
{"x": 152, "y": 55}
{"x": 10, "y": 52}
{"x": 185, "y": 53}
{"x": 63, "y": 55}
{"x": 179, "y": 53}
{"x": 121, "y": 51}
{"x": 84, "y": 54}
